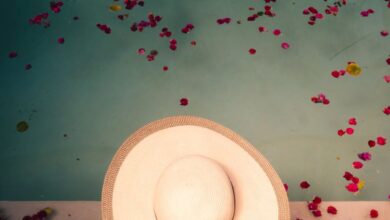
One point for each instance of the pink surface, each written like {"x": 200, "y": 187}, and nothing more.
{"x": 90, "y": 210}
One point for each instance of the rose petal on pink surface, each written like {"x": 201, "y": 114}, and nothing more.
{"x": 285, "y": 45}
{"x": 357, "y": 164}
{"x": 317, "y": 200}
{"x": 317, "y": 213}
{"x": 374, "y": 213}
{"x": 312, "y": 206}
{"x": 331, "y": 210}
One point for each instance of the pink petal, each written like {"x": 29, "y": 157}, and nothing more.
{"x": 61, "y": 40}
{"x": 384, "y": 33}
{"x": 277, "y": 32}
{"x": 285, "y": 45}
{"x": 387, "y": 78}
{"x": 141, "y": 51}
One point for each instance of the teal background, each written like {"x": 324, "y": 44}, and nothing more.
{"x": 96, "y": 89}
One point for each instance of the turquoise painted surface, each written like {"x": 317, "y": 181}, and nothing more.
{"x": 97, "y": 90}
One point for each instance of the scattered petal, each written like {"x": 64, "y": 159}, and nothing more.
{"x": 386, "y": 110}
{"x": 317, "y": 213}
{"x": 317, "y": 200}
{"x": 277, "y": 32}
{"x": 312, "y": 206}
{"x": 349, "y": 131}
{"x": 252, "y": 51}
{"x": 285, "y": 186}
{"x": 384, "y": 33}
{"x": 365, "y": 156}
{"x": 61, "y": 40}
{"x": 357, "y": 164}
{"x": 115, "y": 7}
{"x": 387, "y": 78}
{"x": 348, "y": 176}
{"x": 27, "y": 66}
{"x": 304, "y": 185}
{"x": 381, "y": 140}
{"x": 340, "y": 132}
{"x": 183, "y": 101}
{"x": 332, "y": 210}
{"x": 285, "y": 46}
{"x": 165, "y": 68}
{"x": 352, "y": 121}
{"x": 374, "y": 213}
{"x": 371, "y": 143}
{"x": 352, "y": 187}
{"x": 262, "y": 29}
{"x": 12, "y": 54}
{"x": 141, "y": 51}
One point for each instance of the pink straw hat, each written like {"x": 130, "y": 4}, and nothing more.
{"x": 189, "y": 168}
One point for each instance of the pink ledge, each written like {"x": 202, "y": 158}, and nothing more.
{"x": 79, "y": 210}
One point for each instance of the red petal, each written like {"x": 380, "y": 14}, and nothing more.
{"x": 374, "y": 213}
{"x": 355, "y": 180}
{"x": 332, "y": 210}
{"x": 285, "y": 186}
{"x": 277, "y": 32}
{"x": 335, "y": 74}
{"x": 384, "y": 33}
{"x": 352, "y": 121}
{"x": 381, "y": 140}
{"x": 349, "y": 131}
{"x": 347, "y": 175}
{"x": 252, "y": 51}
{"x": 304, "y": 185}
{"x": 285, "y": 45}
{"x": 165, "y": 68}
{"x": 371, "y": 143}
{"x": 357, "y": 165}
{"x": 352, "y": 187}
{"x": 317, "y": 200}
{"x": 183, "y": 101}
{"x": 317, "y": 213}
{"x": 340, "y": 132}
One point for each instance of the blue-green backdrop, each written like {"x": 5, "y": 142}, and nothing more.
{"x": 97, "y": 90}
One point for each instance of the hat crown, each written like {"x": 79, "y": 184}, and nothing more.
{"x": 194, "y": 187}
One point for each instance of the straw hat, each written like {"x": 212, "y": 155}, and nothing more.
{"x": 189, "y": 168}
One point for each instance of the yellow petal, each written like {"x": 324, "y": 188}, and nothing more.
{"x": 353, "y": 69}
{"x": 361, "y": 184}
{"x": 115, "y": 7}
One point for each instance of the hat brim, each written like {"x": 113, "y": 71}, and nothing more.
{"x": 131, "y": 178}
